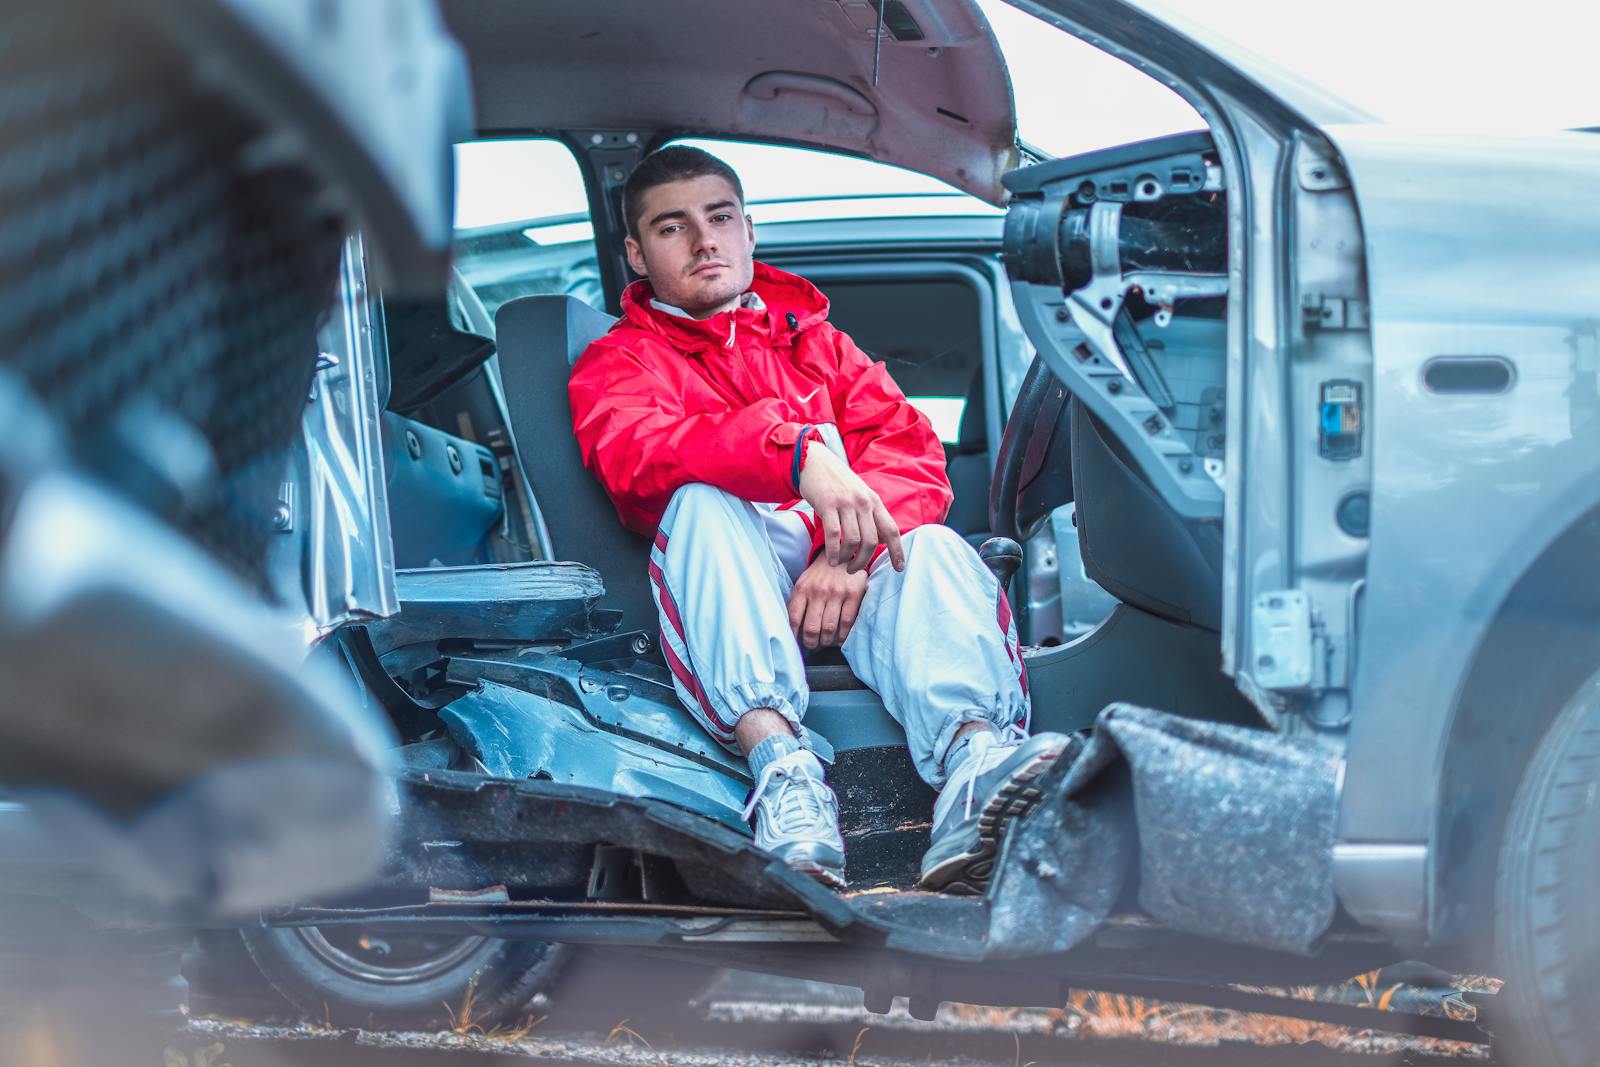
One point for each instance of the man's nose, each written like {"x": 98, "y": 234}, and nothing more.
{"x": 705, "y": 242}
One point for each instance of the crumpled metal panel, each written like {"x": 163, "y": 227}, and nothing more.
{"x": 518, "y": 735}
{"x": 1230, "y": 832}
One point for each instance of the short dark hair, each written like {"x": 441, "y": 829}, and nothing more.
{"x": 675, "y": 163}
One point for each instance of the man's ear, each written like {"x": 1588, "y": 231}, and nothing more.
{"x": 750, "y": 230}
{"x": 635, "y": 256}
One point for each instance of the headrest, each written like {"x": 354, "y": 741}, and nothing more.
{"x": 555, "y": 320}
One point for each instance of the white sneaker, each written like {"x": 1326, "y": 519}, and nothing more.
{"x": 987, "y": 792}
{"x": 797, "y": 817}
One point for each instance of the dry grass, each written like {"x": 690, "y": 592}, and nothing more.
{"x": 1115, "y": 1016}
{"x": 210, "y": 1056}
{"x": 467, "y": 1023}
{"x": 622, "y": 1029}
{"x": 463, "y": 1023}
{"x": 855, "y": 1048}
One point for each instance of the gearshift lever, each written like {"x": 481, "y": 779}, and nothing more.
{"x": 1002, "y": 556}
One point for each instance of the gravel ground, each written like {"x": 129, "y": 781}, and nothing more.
{"x": 754, "y": 1020}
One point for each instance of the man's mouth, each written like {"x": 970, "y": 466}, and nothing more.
{"x": 702, "y": 268}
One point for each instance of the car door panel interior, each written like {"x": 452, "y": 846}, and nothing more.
{"x": 1134, "y": 544}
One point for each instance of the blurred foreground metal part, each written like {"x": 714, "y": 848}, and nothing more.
{"x": 368, "y": 95}
{"x": 178, "y": 183}
{"x": 162, "y": 724}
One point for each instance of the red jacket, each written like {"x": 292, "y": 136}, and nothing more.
{"x": 662, "y": 401}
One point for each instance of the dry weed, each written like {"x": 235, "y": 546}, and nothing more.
{"x": 622, "y": 1029}
{"x": 855, "y": 1048}
{"x": 210, "y": 1056}
{"x": 513, "y": 1034}
{"x": 464, "y": 1024}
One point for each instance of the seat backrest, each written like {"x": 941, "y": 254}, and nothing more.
{"x": 969, "y": 468}
{"x": 539, "y": 338}
{"x": 1133, "y": 543}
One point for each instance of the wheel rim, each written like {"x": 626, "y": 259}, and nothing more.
{"x": 387, "y": 960}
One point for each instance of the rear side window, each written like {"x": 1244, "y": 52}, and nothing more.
{"x": 929, "y": 332}
{"x": 522, "y": 222}
{"x": 787, "y": 184}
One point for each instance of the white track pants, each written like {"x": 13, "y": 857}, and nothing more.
{"x": 936, "y": 642}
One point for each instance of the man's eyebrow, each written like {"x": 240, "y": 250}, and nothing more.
{"x": 719, "y": 205}
{"x": 665, "y": 215}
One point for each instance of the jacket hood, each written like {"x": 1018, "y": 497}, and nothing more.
{"x": 788, "y": 305}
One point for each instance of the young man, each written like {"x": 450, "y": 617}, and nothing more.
{"x": 794, "y": 496}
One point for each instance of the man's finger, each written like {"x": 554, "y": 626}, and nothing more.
{"x": 811, "y": 630}
{"x": 830, "y": 621}
{"x": 854, "y": 561}
{"x": 889, "y": 535}
{"x": 851, "y": 534}
{"x": 847, "y": 617}
{"x": 830, "y": 534}
{"x": 797, "y": 611}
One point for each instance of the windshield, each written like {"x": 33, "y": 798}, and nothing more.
{"x": 1456, "y": 66}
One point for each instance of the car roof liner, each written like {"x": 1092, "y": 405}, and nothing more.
{"x": 941, "y": 102}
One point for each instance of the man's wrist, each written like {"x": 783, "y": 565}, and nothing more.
{"x": 802, "y": 443}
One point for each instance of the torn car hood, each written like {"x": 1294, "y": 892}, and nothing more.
{"x": 772, "y": 69}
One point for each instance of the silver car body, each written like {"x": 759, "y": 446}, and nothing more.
{"x": 1418, "y": 246}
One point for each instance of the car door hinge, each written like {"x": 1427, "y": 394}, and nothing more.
{"x": 1284, "y": 639}
{"x": 1320, "y": 312}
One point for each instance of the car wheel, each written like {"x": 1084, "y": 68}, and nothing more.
{"x": 349, "y": 976}
{"x": 1547, "y": 910}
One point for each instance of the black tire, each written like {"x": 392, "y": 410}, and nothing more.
{"x": 342, "y": 976}
{"x": 1547, "y": 901}
{"x": 221, "y": 972}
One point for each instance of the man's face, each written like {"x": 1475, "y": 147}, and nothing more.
{"x": 695, "y": 244}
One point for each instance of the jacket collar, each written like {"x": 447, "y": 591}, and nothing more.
{"x": 784, "y": 304}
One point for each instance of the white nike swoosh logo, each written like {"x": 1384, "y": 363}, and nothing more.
{"x": 809, "y": 395}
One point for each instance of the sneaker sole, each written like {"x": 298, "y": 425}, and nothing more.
{"x": 830, "y": 878}
{"x": 803, "y": 858}
{"x": 968, "y": 874}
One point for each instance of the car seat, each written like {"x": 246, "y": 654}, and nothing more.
{"x": 539, "y": 338}
{"x": 969, "y": 468}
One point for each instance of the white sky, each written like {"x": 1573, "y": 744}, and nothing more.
{"x": 1433, "y": 62}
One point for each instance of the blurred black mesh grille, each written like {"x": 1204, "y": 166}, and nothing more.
{"x": 162, "y": 272}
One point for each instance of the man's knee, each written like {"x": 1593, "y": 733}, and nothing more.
{"x": 699, "y": 494}
{"x": 935, "y": 541}
{"x": 701, "y": 501}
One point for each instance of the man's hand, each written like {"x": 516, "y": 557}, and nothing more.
{"x": 823, "y": 606}
{"x": 854, "y": 520}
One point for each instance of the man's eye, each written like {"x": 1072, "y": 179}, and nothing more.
{"x": 667, "y": 231}
{"x": 721, "y": 218}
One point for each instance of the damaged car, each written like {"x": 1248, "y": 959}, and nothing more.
{"x": 1316, "y": 398}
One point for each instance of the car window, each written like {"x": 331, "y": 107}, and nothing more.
{"x": 522, "y": 222}
{"x": 787, "y": 184}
